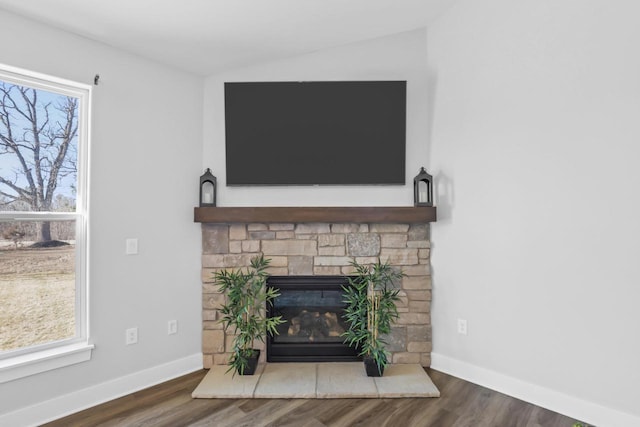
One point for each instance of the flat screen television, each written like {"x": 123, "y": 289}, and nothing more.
{"x": 315, "y": 133}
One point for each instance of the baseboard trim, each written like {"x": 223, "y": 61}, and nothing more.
{"x": 100, "y": 393}
{"x": 583, "y": 410}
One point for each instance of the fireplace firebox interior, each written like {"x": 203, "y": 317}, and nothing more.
{"x": 312, "y": 308}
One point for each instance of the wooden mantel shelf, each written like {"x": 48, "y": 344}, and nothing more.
{"x": 374, "y": 214}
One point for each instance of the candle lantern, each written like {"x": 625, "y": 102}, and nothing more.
{"x": 423, "y": 189}
{"x": 208, "y": 184}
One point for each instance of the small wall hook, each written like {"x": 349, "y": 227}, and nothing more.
{"x": 96, "y": 79}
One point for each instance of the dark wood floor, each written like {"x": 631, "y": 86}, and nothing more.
{"x": 461, "y": 404}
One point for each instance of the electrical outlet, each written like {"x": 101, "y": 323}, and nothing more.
{"x": 131, "y": 336}
{"x": 172, "y": 327}
{"x": 462, "y": 326}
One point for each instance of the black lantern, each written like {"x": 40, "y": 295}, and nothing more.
{"x": 208, "y": 184}
{"x": 423, "y": 189}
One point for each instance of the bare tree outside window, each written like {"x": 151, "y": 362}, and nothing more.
{"x": 38, "y": 151}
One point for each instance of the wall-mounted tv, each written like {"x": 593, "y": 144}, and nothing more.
{"x": 315, "y": 133}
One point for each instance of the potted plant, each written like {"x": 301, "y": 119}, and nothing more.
{"x": 245, "y": 311}
{"x": 371, "y": 308}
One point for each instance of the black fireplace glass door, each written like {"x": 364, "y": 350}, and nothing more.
{"x": 312, "y": 308}
{"x": 311, "y": 316}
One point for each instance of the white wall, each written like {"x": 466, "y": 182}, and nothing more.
{"x": 534, "y": 140}
{"x": 146, "y": 149}
{"x": 399, "y": 57}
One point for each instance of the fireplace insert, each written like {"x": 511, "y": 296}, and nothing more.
{"x": 312, "y": 308}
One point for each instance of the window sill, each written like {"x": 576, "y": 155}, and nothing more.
{"x": 46, "y": 360}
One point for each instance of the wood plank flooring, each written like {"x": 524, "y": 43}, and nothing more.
{"x": 462, "y": 404}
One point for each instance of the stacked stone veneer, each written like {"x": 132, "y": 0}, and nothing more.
{"x": 323, "y": 249}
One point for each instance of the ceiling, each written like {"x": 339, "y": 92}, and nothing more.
{"x": 208, "y": 36}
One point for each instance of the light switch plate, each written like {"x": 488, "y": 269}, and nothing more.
{"x": 172, "y": 327}
{"x": 131, "y": 246}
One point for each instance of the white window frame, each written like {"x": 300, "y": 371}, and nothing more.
{"x": 43, "y": 357}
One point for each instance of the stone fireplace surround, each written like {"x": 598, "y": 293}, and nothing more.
{"x": 318, "y": 248}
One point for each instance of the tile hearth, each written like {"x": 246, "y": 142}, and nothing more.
{"x": 316, "y": 381}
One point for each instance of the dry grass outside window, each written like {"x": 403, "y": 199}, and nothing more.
{"x": 37, "y": 295}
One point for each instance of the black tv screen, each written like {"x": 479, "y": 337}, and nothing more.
{"x": 315, "y": 133}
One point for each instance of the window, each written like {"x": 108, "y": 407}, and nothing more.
{"x": 44, "y": 130}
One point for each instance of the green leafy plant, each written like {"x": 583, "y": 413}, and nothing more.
{"x": 246, "y": 297}
{"x": 371, "y": 309}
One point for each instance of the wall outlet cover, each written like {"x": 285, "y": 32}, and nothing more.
{"x": 131, "y": 336}
{"x": 462, "y": 326}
